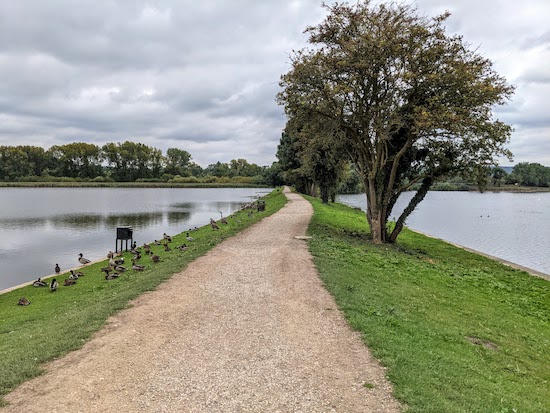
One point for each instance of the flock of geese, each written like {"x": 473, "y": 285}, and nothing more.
{"x": 116, "y": 265}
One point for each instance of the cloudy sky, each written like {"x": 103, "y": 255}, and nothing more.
{"x": 203, "y": 75}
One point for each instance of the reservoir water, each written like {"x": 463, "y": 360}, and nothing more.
{"x": 41, "y": 227}
{"x": 511, "y": 226}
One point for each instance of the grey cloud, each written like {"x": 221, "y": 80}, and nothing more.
{"x": 203, "y": 75}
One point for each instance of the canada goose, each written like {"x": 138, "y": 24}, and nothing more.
{"x": 107, "y": 269}
{"x": 53, "y": 285}
{"x": 213, "y": 224}
{"x": 189, "y": 238}
{"x": 83, "y": 260}
{"x": 137, "y": 267}
{"x": 39, "y": 283}
{"x": 68, "y": 282}
{"x": 223, "y": 220}
{"x": 57, "y": 269}
{"x": 154, "y": 258}
{"x": 117, "y": 267}
{"x": 167, "y": 237}
{"x": 23, "y": 301}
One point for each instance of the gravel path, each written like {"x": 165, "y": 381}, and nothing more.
{"x": 246, "y": 328}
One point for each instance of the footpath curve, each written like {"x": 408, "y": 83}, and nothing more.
{"x": 248, "y": 327}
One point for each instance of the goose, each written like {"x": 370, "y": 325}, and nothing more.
{"x": 167, "y": 237}
{"x": 223, "y": 220}
{"x": 23, "y": 301}
{"x": 68, "y": 282}
{"x": 57, "y": 269}
{"x": 189, "y": 238}
{"x": 39, "y": 283}
{"x": 83, "y": 260}
{"x": 107, "y": 269}
{"x": 213, "y": 224}
{"x": 53, "y": 285}
{"x": 154, "y": 257}
{"x": 117, "y": 267}
{"x": 137, "y": 267}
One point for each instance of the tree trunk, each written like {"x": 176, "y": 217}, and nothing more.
{"x": 419, "y": 196}
{"x": 324, "y": 193}
{"x": 375, "y": 215}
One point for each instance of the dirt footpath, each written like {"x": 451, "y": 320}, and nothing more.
{"x": 246, "y": 328}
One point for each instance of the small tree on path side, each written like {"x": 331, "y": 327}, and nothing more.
{"x": 412, "y": 103}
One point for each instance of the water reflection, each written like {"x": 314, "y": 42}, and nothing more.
{"x": 40, "y": 224}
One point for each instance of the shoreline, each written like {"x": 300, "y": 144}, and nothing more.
{"x": 531, "y": 271}
{"x": 55, "y": 184}
{"x": 510, "y": 264}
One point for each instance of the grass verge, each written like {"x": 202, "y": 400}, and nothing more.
{"x": 458, "y": 332}
{"x": 56, "y": 323}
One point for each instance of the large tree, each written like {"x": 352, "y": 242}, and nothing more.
{"x": 77, "y": 160}
{"x": 412, "y": 103}
{"x": 177, "y": 162}
{"x": 321, "y": 157}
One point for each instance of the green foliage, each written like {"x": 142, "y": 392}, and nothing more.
{"x": 56, "y": 323}
{"x": 458, "y": 332}
{"x": 76, "y": 160}
{"x": 531, "y": 174}
{"x": 121, "y": 162}
{"x": 177, "y": 162}
{"x": 409, "y": 103}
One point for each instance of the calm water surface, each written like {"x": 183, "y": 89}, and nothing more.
{"x": 512, "y": 226}
{"x": 40, "y": 227}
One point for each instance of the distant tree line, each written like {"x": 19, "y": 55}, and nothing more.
{"x": 528, "y": 174}
{"x": 122, "y": 162}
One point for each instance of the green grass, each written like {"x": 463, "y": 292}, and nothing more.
{"x": 56, "y": 323}
{"x": 458, "y": 332}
